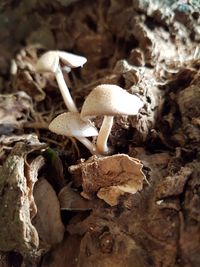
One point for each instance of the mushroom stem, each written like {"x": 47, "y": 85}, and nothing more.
{"x": 104, "y": 133}
{"x": 87, "y": 143}
{"x": 69, "y": 102}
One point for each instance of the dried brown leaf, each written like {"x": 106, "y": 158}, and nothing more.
{"x": 112, "y": 193}
{"x": 47, "y": 220}
{"x": 189, "y": 102}
{"x": 14, "y": 110}
{"x": 71, "y": 200}
{"x": 29, "y": 141}
{"x": 117, "y": 174}
{"x": 174, "y": 185}
{"x": 24, "y": 76}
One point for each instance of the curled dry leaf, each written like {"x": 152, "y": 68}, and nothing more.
{"x": 112, "y": 193}
{"x": 71, "y": 200}
{"x": 174, "y": 185}
{"x": 48, "y": 220}
{"x": 110, "y": 177}
{"x": 29, "y": 141}
{"x": 14, "y": 110}
{"x": 189, "y": 101}
{"x": 17, "y": 232}
{"x": 24, "y": 76}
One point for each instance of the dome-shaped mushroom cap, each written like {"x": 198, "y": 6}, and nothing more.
{"x": 49, "y": 61}
{"x": 70, "y": 124}
{"x": 110, "y": 100}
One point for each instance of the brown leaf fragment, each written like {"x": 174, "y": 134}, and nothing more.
{"x": 174, "y": 185}
{"x": 189, "y": 102}
{"x": 28, "y": 143}
{"x": 23, "y": 72}
{"x": 137, "y": 57}
{"x": 14, "y": 110}
{"x": 26, "y": 138}
{"x": 71, "y": 200}
{"x": 112, "y": 193}
{"x": 47, "y": 220}
{"x": 110, "y": 177}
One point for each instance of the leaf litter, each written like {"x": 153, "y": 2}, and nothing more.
{"x": 150, "y": 49}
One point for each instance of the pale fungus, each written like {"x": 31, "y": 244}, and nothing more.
{"x": 70, "y": 124}
{"x": 50, "y": 62}
{"x": 109, "y": 100}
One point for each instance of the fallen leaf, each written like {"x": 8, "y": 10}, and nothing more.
{"x": 189, "y": 101}
{"x": 110, "y": 177}
{"x": 112, "y": 193}
{"x": 174, "y": 185}
{"x": 47, "y": 220}
{"x": 71, "y": 200}
{"x": 25, "y": 78}
{"x": 14, "y": 110}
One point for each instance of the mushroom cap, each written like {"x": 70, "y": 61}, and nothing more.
{"x": 72, "y": 60}
{"x": 110, "y": 100}
{"x": 49, "y": 61}
{"x": 70, "y": 124}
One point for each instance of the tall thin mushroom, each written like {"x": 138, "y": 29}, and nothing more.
{"x": 70, "y": 124}
{"x": 50, "y": 62}
{"x": 109, "y": 100}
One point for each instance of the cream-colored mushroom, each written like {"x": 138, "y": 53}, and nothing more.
{"x": 70, "y": 124}
{"x": 109, "y": 100}
{"x": 50, "y": 62}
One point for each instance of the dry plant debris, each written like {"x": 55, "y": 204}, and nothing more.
{"x": 109, "y": 177}
{"x": 17, "y": 205}
{"x": 47, "y": 220}
{"x": 149, "y": 48}
{"x": 71, "y": 200}
{"x": 14, "y": 111}
{"x": 24, "y": 76}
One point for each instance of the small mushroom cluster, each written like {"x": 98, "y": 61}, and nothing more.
{"x": 105, "y": 100}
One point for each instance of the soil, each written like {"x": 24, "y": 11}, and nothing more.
{"x": 138, "y": 206}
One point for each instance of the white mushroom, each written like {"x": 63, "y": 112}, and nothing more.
{"x": 50, "y": 62}
{"x": 70, "y": 124}
{"x": 109, "y": 100}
